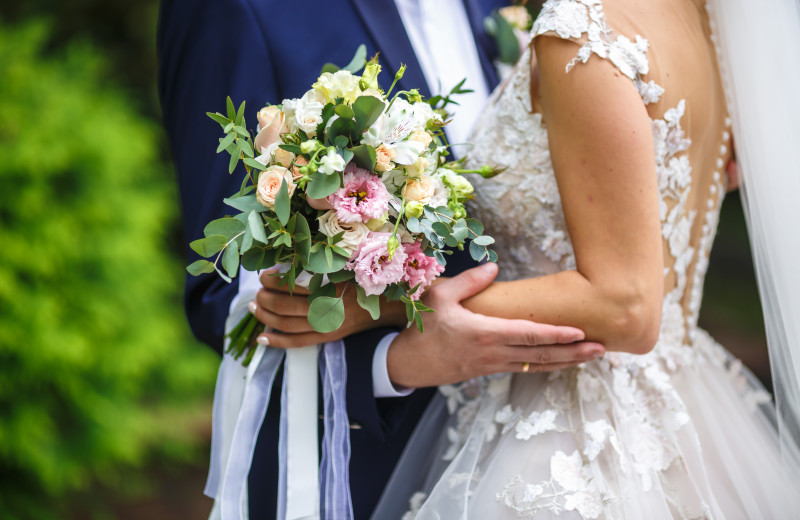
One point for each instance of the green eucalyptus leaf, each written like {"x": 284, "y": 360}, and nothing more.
{"x": 329, "y": 67}
{"x": 475, "y": 226}
{"x": 247, "y": 240}
{"x": 341, "y": 276}
{"x": 219, "y": 118}
{"x": 240, "y": 114}
{"x": 199, "y": 267}
{"x": 210, "y": 245}
{"x": 233, "y": 162}
{"x": 344, "y": 111}
{"x": 227, "y": 226}
{"x": 371, "y": 303}
{"x": 315, "y": 283}
{"x": 358, "y": 61}
{"x": 483, "y": 240}
{"x": 346, "y": 128}
{"x": 245, "y": 147}
{"x": 439, "y": 256}
{"x": 255, "y": 259}
{"x": 365, "y": 156}
{"x": 492, "y": 255}
{"x": 507, "y": 44}
{"x": 225, "y": 142}
{"x": 477, "y": 251}
{"x": 291, "y": 148}
{"x": 249, "y": 161}
{"x": 223, "y": 275}
{"x": 327, "y": 290}
{"x": 230, "y": 259}
{"x": 256, "y": 227}
{"x": 318, "y": 261}
{"x": 326, "y": 314}
{"x": 413, "y": 225}
{"x": 322, "y": 185}
{"x": 441, "y": 229}
{"x": 367, "y": 110}
{"x": 302, "y": 238}
{"x": 231, "y": 109}
{"x": 245, "y": 204}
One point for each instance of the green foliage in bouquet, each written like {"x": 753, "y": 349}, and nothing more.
{"x": 394, "y": 148}
{"x": 94, "y": 353}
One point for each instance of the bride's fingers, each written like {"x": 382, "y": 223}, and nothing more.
{"x": 278, "y": 340}
{"x": 524, "y": 332}
{"x": 288, "y": 324}
{"x": 553, "y": 354}
{"x": 282, "y": 304}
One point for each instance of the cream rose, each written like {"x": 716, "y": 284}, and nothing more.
{"x": 383, "y": 159}
{"x": 304, "y": 113}
{"x": 421, "y": 136}
{"x": 272, "y": 124}
{"x": 269, "y": 182}
{"x": 354, "y": 232}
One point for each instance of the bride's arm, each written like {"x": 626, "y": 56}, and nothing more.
{"x": 602, "y": 152}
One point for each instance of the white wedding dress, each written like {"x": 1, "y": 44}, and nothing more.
{"x": 682, "y": 432}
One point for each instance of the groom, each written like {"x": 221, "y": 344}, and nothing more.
{"x": 262, "y": 50}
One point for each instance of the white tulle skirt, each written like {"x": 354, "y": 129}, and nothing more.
{"x": 683, "y": 432}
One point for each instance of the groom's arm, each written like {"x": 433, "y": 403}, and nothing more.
{"x": 207, "y": 50}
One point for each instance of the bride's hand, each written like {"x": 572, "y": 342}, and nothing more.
{"x": 285, "y": 314}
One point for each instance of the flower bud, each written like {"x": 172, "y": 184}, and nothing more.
{"x": 309, "y": 146}
{"x": 400, "y": 72}
{"x": 369, "y": 79}
{"x": 414, "y": 209}
{"x": 392, "y": 244}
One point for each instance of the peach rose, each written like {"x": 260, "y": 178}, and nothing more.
{"x": 269, "y": 182}
{"x": 271, "y": 121}
{"x": 419, "y": 189}
{"x": 384, "y": 159}
{"x": 283, "y": 157}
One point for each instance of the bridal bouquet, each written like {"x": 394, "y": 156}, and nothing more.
{"x": 346, "y": 183}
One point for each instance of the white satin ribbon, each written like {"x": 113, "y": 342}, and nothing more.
{"x": 302, "y": 444}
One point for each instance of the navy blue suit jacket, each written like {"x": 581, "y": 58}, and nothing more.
{"x": 262, "y": 51}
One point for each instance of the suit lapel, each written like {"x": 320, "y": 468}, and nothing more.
{"x": 384, "y": 24}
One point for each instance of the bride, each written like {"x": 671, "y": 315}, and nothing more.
{"x": 614, "y": 130}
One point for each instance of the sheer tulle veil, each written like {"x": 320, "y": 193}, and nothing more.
{"x": 757, "y": 47}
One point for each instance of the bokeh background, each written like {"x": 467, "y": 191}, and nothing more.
{"x": 105, "y": 397}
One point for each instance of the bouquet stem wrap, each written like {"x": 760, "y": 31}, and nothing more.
{"x": 240, "y": 404}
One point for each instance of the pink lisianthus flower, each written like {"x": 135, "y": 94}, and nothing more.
{"x": 373, "y": 268}
{"x": 420, "y": 269}
{"x": 363, "y": 197}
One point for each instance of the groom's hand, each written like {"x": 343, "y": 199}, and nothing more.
{"x": 458, "y": 344}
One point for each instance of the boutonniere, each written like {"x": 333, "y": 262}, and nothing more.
{"x": 510, "y": 27}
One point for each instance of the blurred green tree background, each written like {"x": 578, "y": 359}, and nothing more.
{"x": 100, "y": 379}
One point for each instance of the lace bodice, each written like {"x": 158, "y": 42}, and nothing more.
{"x": 521, "y": 207}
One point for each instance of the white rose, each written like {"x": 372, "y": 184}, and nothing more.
{"x": 331, "y": 162}
{"x": 308, "y": 112}
{"x": 340, "y": 84}
{"x": 354, "y": 232}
